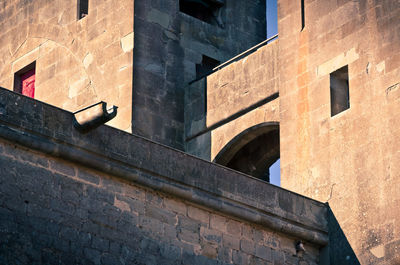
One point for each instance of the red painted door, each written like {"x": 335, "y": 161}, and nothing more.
{"x": 28, "y": 83}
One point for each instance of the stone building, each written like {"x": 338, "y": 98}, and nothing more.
{"x": 330, "y": 84}
{"x": 200, "y": 76}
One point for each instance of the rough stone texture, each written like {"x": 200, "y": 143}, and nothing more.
{"x": 168, "y": 45}
{"x": 242, "y": 83}
{"x": 351, "y": 159}
{"x": 78, "y": 62}
{"x": 229, "y": 90}
{"x": 195, "y": 120}
{"x": 70, "y": 204}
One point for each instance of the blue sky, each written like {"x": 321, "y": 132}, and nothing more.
{"x": 275, "y": 173}
{"x": 272, "y": 29}
{"x": 272, "y": 18}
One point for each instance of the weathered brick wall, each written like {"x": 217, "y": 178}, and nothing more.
{"x": 78, "y": 62}
{"x": 108, "y": 197}
{"x": 351, "y": 159}
{"x": 53, "y": 212}
{"x": 168, "y": 45}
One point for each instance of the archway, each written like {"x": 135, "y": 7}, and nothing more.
{"x": 253, "y": 151}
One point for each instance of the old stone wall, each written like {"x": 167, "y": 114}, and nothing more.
{"x": 78, "y": 62}
{"x": 53, "y": 212}
{"x": 223, "y": 94}
{"x": 240, "y": 86}
{"x": 351, "y": 159}
{"x": 168, "y": 46}
{"x": 108, "y": 197}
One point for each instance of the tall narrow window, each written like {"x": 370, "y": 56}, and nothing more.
{"x": 303, "y": 18}
{"x": 271, "y": 18}
{"x": 83, "y": 8}
{"x": 24, "y": 81}
{"x": 339, "y": 86}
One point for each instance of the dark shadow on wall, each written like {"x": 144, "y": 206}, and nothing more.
{"x": 252, "y": 151}
{"x": 340, "y": 251}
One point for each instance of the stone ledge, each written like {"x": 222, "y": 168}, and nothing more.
{"x": 50, "y": 130}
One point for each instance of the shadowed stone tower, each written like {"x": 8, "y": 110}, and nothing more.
{"x": 176, "y": 42}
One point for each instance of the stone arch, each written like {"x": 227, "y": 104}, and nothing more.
{"x": 253, "y": 150}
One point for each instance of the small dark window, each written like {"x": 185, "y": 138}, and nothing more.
{"x": 206, "y": 66}
{"x": 24, "y": 80}
{"x": 205, "y": 10}
{"x": 83, "y": 8}
{"x": 339, "y": 84}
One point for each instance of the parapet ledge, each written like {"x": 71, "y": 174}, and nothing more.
{"x": 45, "y": 128}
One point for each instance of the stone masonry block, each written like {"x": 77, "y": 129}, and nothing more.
{"x": 175, "y": 206}
{"x": 153, "y": 198}
{"x": 239, "y": 257}
{"x": 88, "y": 176}
{"x": 209, "y": 251}
{"x": 189, "y": 224}
{"x": 264, "y": 252}
{"x": 35, "y": 158}
{"x": 218, "y": 222}
{"x": 134, "y": 192}
{"x": 199, "y": 214}
{"x": 188, "y": 236}
{"x": 247, "y": 246}
{"x": 62, "y": 168}
{"x": 161, "y": 215}
{"x": 153, "y": 226}
{"x": 210, "y": 236}
{"x": 170, "y": 231}
{"x": 278, "y": 257}
{"x": 234, "y": 228}
{"x": 230, "y": 242}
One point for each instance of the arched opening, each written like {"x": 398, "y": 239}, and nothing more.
{"x": 254, "y": 151}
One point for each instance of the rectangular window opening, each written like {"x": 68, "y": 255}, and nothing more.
{"x": 208, "y": 11}
{"x": 24, "y": 80}
{"x": 339, "y": 86}
{"x": 83, "y": 8}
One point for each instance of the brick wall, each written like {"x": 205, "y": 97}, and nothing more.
{"x": 78, "y": 62}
